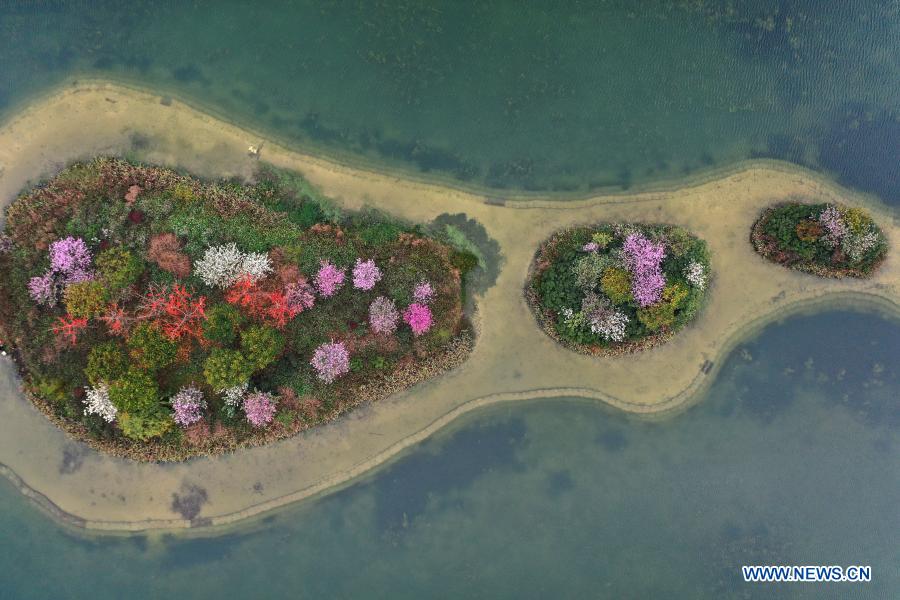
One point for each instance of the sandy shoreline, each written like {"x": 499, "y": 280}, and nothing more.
{"x": 746, "y": 293}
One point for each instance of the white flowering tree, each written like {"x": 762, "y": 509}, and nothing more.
{"x": 97, "y": 402}
{"x": 222, "y": 266}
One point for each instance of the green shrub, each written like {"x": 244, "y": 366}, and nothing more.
{"x": 106, "y": 362}
{"x": 150, "y": 348}
{"x": 226, "y": 368}
{"x": 144, "y": 426}
{"x": 118, "y": 268}
{"x": 261, "y": 345}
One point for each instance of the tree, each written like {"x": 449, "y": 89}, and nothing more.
{"x": 85, "y": 299}
{"x": 222, "y": 324}
{"x": 165, "y": 251}
{"x": 106, "y": 362}
{"x": 135, "y": 393}
{"x": 261, "y": 345}
{"x": 150, "y": 348}
{"x": 118, "y": 268}
{"x": 225, "y": 368}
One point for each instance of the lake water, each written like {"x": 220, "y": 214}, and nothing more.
{"x": 792, "y": 459}
{"x": 562, "y": 96}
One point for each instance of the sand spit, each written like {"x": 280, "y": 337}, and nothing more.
{"x": 512, "y": 359}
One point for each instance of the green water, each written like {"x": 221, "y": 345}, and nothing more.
{"x": 552, "y": 96}
{"x": 792, "y": 459}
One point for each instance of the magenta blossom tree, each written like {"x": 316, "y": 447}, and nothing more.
{"x": 329, "y": 279}
{"x": 418, "y": 317}
{"x": 366, "y": 274}
{"x": 331, "y": 360}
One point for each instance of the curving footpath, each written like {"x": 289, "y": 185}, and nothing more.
{"x": 513, "y": 359}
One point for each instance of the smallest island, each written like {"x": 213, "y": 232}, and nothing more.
{"x": 618, "y": 287}
{"x": 828, "y": 240}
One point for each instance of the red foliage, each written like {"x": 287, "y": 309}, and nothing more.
{"x": 176, "y": 311}
{"x": 116, "y": 320}
{"x": 269, "y": 307}
{"x": 69, "y": 327}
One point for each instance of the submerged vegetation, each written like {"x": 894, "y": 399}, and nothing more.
{"x": 159, "y": 317}
{"x": 828, "y": 240}
{"x": 618, "y": 287}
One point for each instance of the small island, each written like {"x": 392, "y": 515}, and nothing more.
{"x": 158, "y": 317}
{"x": 826, "y": 239}
{"x": 618, "y": 287}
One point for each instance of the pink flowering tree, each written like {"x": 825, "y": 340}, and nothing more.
{"x": 329, "y": 279}
{"x": 418, "y": 317}
{"x": 331, "y": 360}
{"x": 643, "y": 258}
{"x": 383, "y": 315}
{"x": 188, "y": 405}
{"x": 259, "y": 408}
{"x": 366, "y": 274}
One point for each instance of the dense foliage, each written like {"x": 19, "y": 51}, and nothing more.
{"x": 619, "y": 287}
{"x": 156, "y": 314}
{"x": 829, "y": 240}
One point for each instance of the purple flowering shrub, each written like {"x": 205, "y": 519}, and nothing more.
{"x": 383, "y": 315}
{"x": 331, "y": 360}
{"x": 259, "y": 407}
{"x": 365, "y": 274}
{"x": 188, "y": 405}
{"x": 70, "y": 262}
{"x": 619, "y": 286}
{"x": 329, "y": 279}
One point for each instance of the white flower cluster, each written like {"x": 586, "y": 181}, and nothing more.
{"x": 221, "y": 266}
{"x": 856, "y": 245}
{"x": 695, "y": 273}
{"x": 610, "y": 324}
{"x": 234, "y": 396}
{"x": 599, "y": 316}
{"x": 96, "y": 402}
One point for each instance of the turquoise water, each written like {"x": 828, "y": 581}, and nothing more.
{"x": 555, "y": 96}
{"x": 791, "y": 459}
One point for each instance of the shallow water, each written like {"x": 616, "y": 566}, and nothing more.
{"x": 790, "y": 460}
{"x": 568, "y": 96}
